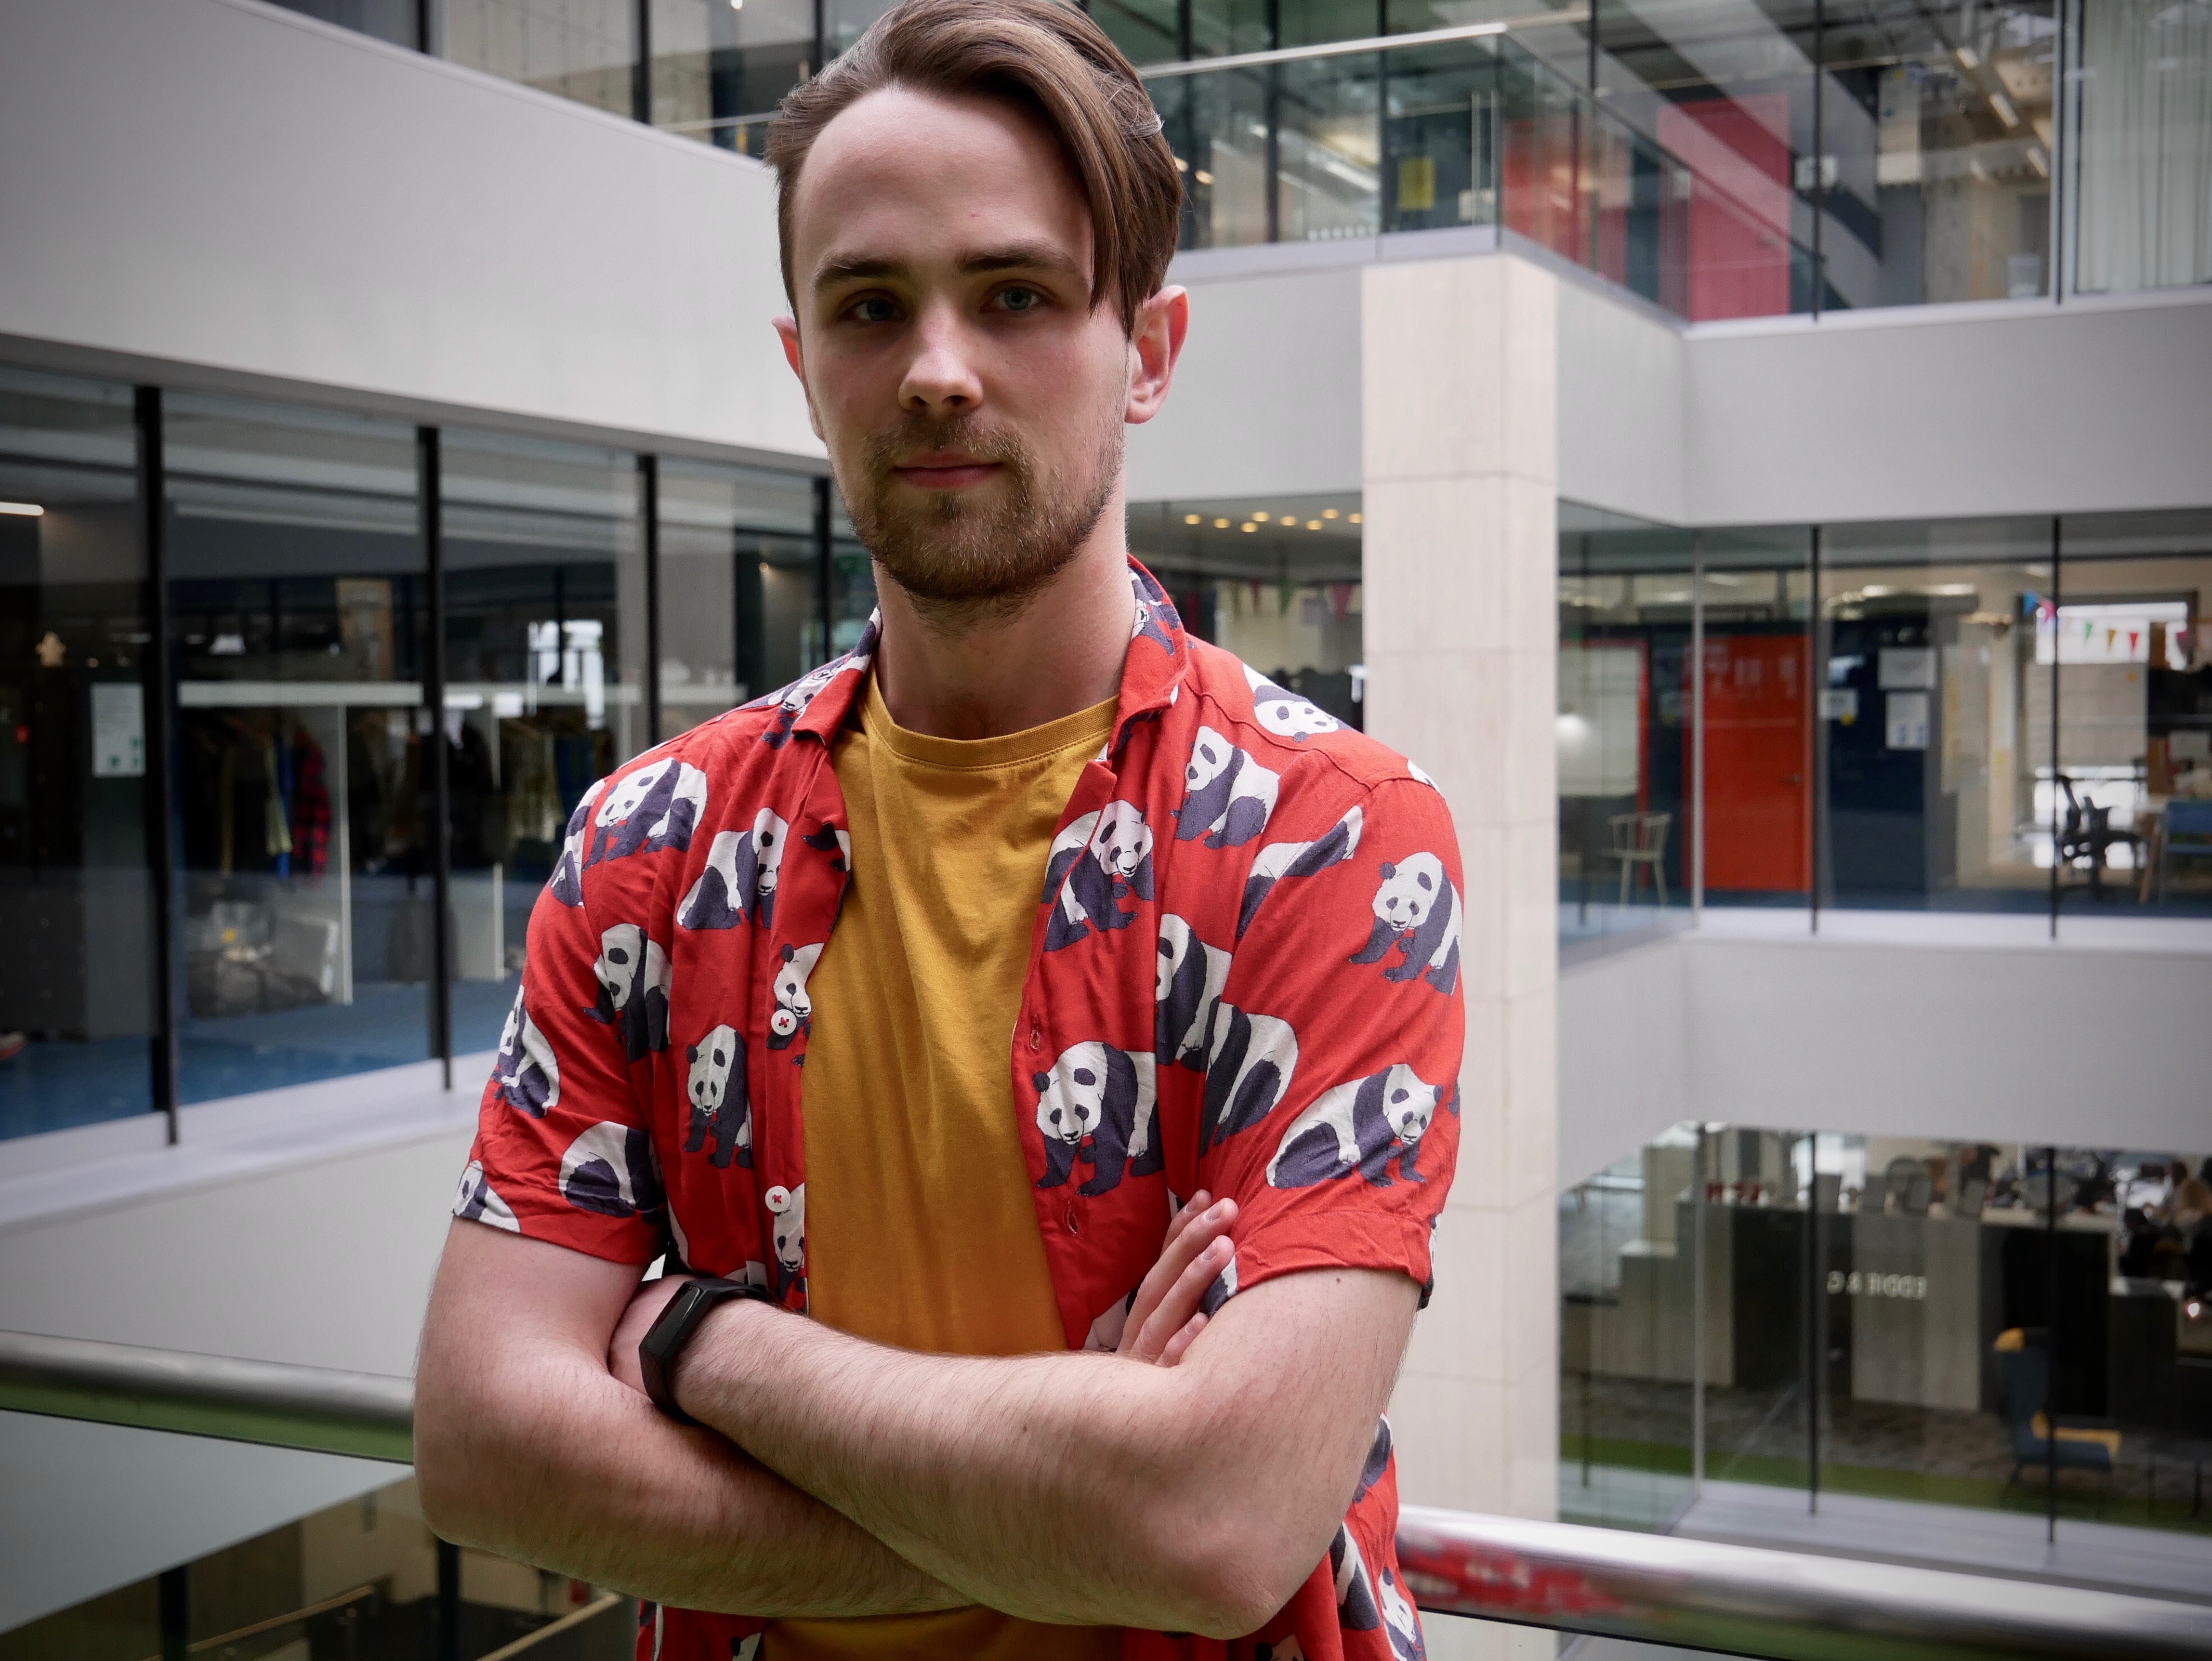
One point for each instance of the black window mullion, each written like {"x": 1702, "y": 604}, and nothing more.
{"x": 430, "y": 486}
{"x": 157, "y": 679}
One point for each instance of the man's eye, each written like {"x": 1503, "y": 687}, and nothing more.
{"x": 1020, "y": 300}
{"x": 874, "y": 309}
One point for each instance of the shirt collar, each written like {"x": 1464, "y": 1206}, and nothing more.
{"x": 1152, "y": 669}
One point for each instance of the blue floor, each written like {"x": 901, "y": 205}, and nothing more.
{"x": 59, "y": 1086}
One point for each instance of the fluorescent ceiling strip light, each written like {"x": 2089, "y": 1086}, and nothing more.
{"x": 24, "y": 510}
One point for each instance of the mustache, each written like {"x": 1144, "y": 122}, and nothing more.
{"x": 923, "y": 435}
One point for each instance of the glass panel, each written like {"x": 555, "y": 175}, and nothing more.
{"x": 76, "y": 1008}
{"x": 1146, "y": 31}
{"x": 579, "y": 49}
{"x": 713, "y": 63}
{"x": 1316, "y": 22}
{"x": 2144, "y": 124}
{"x": 2135, "y": 712}
{"x": 1328, "y": 148}
{"x": 1539, "y": 156}
{"x": 1627, "y": 1263}
{"x": 387, "y": 20}
{"x": 545, "y": 656}
{"x": 739, "y": 586}
{"x": 1758, "y": 1304}
{"x": 1218, "y": 27}
{"x": 1217, "y": 125}
{"x": 1756, "y": 586}
{"x": 1936, "y": 716}
{"x": 298, "y": 610}
{"x": 1439, "y": 168}
{"x": 1639, "y": 199}
{"x": 2157, "y": 1335}
{"x": 1730, "y": 92}
{"x": 844, "y": 20}
{"x": 1937, "y": 150}
{"x": 1626, "y": 784}
{"x": 1277, "y": 584}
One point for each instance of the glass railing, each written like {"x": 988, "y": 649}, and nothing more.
{"x": 1961, "y": 1354}
{"x": 1465, "y": 127}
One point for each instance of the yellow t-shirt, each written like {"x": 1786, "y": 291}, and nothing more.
{"x": 920, "y": 1229}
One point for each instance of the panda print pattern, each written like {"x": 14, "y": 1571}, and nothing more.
{"x": 1229, "y": 796}
{"x": 1156, "y": 614}
{"x": 526, "y": 1073}
{"x": 794, "y": 1011}
{"x": 1095, "y": 1106}
{"x": 739, "y": 884}
{"x": 721, "y": 1102}
{"x": 1362, "y": 1127}
{"x": 1286, "y": 715}
{"x": 1416, "y": 912}
{"x": 655, "y": 807}
{"x": 1356, "y": 1609}
{"x": 566, "y": 884}
{"x": 1279, "y": 860}
{"x": 792, "y": 702}
{"x": 633, "y": 976}
{"x": 1248, "y": 1072}
{"x": 1378, "y": 1461}
{"x": 1190, "y": 977}
{"x": 1399, "y": 1620}
{"x": 1100, "y": 860}
{"x": 610, "y": 1169}
{"x": 479, "y": 1202}
{"x": 786, "y": 1209}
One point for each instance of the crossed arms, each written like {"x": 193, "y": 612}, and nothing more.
{"x": 1188, "y": 1483}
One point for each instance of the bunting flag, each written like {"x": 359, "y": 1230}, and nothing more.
{"x": 1340, "y": 601}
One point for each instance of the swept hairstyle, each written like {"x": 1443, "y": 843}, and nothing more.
{"x": 1046, "y": 58}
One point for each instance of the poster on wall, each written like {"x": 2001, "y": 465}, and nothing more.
{"x": 119, "y": 731}
{"x": 1905, "y": 721}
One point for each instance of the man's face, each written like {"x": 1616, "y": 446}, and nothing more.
{"x": 971, "y": 398}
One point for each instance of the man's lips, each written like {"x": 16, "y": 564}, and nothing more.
{"x": 946, "y": 473}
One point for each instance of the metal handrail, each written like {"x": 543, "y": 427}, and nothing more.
{"x": 1176, "y": 67}
{"x": 272, "y": 1402}
{"x": 1650, "y": 1588}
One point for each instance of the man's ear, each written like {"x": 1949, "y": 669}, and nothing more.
{"x": 1156, "y": 342}
{"x": 786, "y": 330}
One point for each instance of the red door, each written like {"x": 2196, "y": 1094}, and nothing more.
{"x": 1758, "y": 824}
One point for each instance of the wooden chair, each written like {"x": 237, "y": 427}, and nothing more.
{"x": 1640, "y": 840}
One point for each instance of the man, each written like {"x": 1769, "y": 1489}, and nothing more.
{"x": 1066, "y": 915}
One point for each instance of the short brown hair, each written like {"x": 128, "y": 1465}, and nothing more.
{"x": 1046, "y": 58}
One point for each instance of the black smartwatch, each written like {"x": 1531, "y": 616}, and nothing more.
{"x": 665, "y": 1340}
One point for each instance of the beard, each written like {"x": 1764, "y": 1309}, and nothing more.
{"x": 966, "y": 556}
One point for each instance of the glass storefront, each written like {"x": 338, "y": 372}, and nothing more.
{"x": 300, "y": 557}
{"x": 299, "y": 610}
{"x": 1754, "y": 1319}
{"x": 1984, "y": 715}
{"x": 77, "y": 996}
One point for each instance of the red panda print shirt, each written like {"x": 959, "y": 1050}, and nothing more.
{"x": 1243, "y": 977}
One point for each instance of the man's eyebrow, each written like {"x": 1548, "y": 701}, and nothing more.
{"x": 1011, "y": 257}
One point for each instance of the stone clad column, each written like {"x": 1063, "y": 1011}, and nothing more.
{"x": 1460, "y": 432}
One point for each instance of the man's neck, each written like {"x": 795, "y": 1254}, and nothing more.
{"x": 1060, "y": 652}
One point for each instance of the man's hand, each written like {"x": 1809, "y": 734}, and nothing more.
{"x": 1166, "y": 1316}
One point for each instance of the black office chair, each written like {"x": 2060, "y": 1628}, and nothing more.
{"x": 2024, "y": 1375}
{"x": 2086, "y": 833}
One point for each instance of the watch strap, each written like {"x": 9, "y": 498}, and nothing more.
{"x": 665, "y": 1339}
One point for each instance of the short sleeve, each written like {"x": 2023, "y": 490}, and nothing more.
{"x": 1332, "y": 1110}
{"x": 561, "y": 1151}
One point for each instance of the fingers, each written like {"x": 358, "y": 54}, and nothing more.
{"x": 1182, "y": 1341}
{"x": 1190, "y": 1263}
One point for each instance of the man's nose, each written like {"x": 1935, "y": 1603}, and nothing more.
{"x": 940, "y": 380}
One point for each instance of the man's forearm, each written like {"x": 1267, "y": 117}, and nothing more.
{"x": 1071, "y": 1487}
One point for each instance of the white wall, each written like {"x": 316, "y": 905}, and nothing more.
{"x": 2070, "y": 1044}
{"x": 219, "y": 183}
{"x": 1620, "y": 406}
{"x": 1266, "y": 398}
{"x": 1938, "y": 411}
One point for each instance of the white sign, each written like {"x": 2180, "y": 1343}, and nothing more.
{"x": 1907, "y": 669}
{"x": 119, "y": 731}
{"x": 1905, "y": 721}
{"x": 1839, "y": 703}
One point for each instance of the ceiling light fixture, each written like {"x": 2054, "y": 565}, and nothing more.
{"x": 1329, "y": 513}
{"x": 1260, "y": 518}
{"x": 1190, "y": 519}
{"x": 1313, "y": 524}
{"x": 1355, "y": 519}
{"x": 1220, "y": 524}
{"x": 1202, "y": 176}
{"x": 1248, "y": 525}
{"x": 24, "y": 510}
{"x": 2003, "y": 105}
{"x": 1969, "y": 59}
